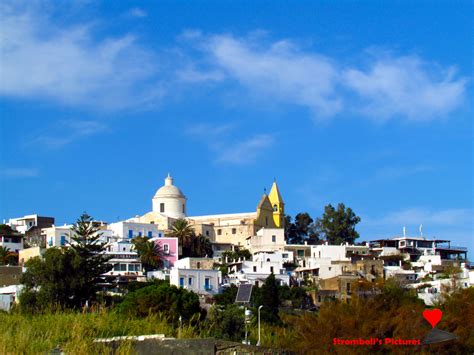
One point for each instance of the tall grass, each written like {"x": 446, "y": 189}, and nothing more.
{"x": 74, "y": 332}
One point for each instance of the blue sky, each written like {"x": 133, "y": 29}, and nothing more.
{"x": 367, "y": 103}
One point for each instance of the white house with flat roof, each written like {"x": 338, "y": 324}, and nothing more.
{"x": 198, "y": 281}
{"x": 58, "y": 236}
{"x": 267, "y": 240}
{"x": 260, "y": 267}
{"x": 129, "y": 230}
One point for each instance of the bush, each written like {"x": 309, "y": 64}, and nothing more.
{"x": 226, "y": 324}
{"x": 168, "y": 300}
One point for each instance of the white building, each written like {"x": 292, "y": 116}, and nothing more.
{"x": 128, "y": 230}
{"x": 13, "y": 242}
{"x": 262, "y": 265}
{"x": 267, "y": 240}
{"x": 124, "y": 259}
{"x": 9, "y": 296}
{"x": 58, "y": 236}
{"x": 25, "y": 223}
{"x": 197, "y": 275}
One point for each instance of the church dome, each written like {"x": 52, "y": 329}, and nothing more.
{"x": 169, "y": 190}
{"x": 169, "y": 200}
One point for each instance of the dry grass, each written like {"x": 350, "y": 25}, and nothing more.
{"x": 74, "y": 332}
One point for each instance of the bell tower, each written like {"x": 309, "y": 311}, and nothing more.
{"x": 278, "y": 206}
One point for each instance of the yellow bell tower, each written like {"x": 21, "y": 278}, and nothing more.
{"x": 278, "y": 206}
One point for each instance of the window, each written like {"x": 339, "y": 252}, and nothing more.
{"x": 198, "y": 265}
{"x": 234, "y": 230}
{"x": 268, "y": 259}
{"x": 117, "y": 267}
{"x": 275, "y": 208}
{"x": 219, "y": 231}
{"x": 284, "y": 256}
{"x": 190, "y": 281}
{"x": 181, "y": 281}
{"x": 162, "y": 207}
{"x": 329, "y": 268}
{"x": 348, "y": 287}
{"x": 266, "y": 221}
{"x": 166, "y": 248}
{"x": 123, "y": 249}
{"x": 207, "y": 283}
{"x": 123, "y": 267}
{"x": 274, "y": 238}
{"x": 63, "y": 240}
{"x": 150, "y": 234}
{"x": 184, "y": 208}
{"x": 139, "y": 234}
{"x": 207, "y": 233}
{"x": 256, "y": 283}
{"x": 130, "y": 233}
{"x": 254, "y": 269}
{"x": 271, "y": 269}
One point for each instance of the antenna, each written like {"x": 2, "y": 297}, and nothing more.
{"x": 404, "y": 231}
{"x": 421, "y": 230}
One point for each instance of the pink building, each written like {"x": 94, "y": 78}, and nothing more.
{"x": 169, "y": 246}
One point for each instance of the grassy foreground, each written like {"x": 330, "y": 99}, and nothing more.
{"x": 75, "y": 332}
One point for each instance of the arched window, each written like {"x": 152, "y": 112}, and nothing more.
{"x": 275, "y": 208}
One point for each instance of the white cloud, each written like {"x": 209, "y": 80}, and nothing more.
{"x": 245, "y": 151}
{"x": 392, "y": 172}
{"x": 66, "y": 131}
{"x": 279, "y": 71}
{"x": 137, "y": 12}
{"x": 18, "y": 172}
{"x": 202, "y": 130}
{"x": 67, "y": 64}
{"x": 406, "y": 87}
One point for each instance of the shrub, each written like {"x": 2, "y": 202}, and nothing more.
{"x": 168, "y": 300}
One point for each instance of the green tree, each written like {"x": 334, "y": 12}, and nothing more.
{"x": 227, "y": 323}
{"x": 268, "y": 297}
{"x": 5, "y": 229}
{"x": 67, "y": 277}
{"x": 338, "y": 225}
{"x": 8, "y": 257}
{"x": 201, "y": 247}
{"x": 185, "y": 234}
{"x": 227, "y": 296}
{"x": 162, "y": 298}
{"x": 301, "y": 229}
{"x": 91, "y": 259}
{"x": 150, "y": 253}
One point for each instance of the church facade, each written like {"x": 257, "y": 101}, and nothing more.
{"x": 169, "y": 204}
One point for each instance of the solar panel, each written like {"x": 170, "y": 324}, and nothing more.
{"x": 243, "y": 293}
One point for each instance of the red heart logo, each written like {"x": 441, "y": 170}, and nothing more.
{"x": 433, "y": 316}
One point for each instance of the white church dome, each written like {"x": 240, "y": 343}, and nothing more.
{"x": 169, "y": 190}
{"x": 169, "y": 200}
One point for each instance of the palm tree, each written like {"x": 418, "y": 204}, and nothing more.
{"x": 5, "y": 255}
{"x": 184, "y": 232}
{"x": 150, "y": 253}
{"x": 202, "y": 247}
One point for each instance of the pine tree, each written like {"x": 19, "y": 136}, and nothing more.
{"x": 89, "y": 260}
{"x": 270, "y": 300}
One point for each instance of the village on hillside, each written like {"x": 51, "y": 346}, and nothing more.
{"x": 211, "y": 254}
